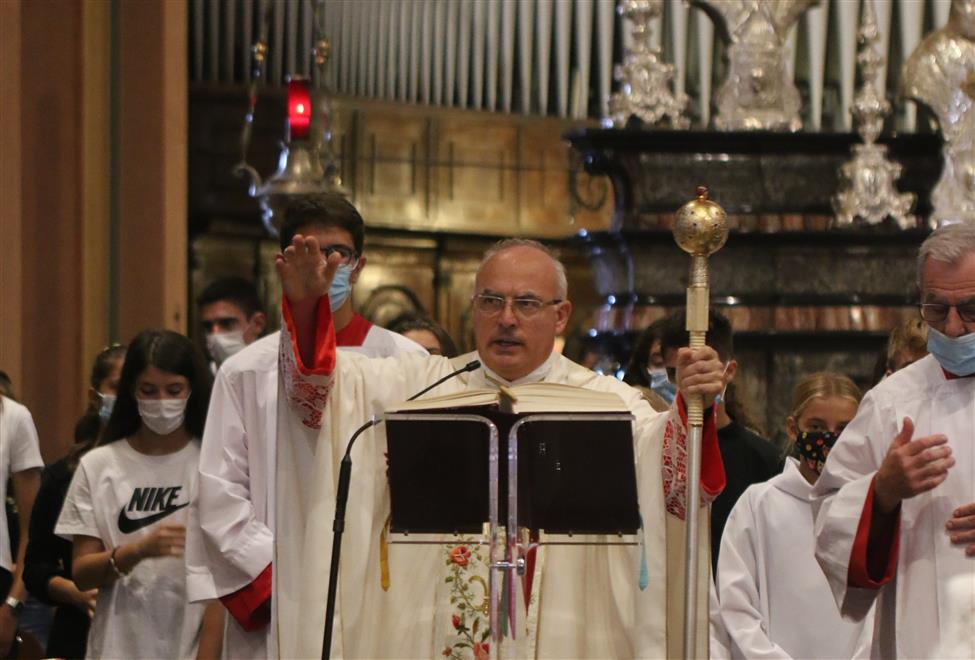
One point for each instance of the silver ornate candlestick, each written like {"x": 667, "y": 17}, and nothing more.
{"x": 867, "y": 191}
{"x": 646, "y": 79}
{"x": 758, "y": 93}
{"x": 940, "y": 73}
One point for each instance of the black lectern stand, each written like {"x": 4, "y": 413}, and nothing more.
{"x": 480, "y": 469}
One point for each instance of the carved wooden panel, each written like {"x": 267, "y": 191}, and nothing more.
{"x": 405, "y": 167}
{"x": 457, "y": 268}
{"x": 399, "y": 275}
{"x": 392, "y": 172}
{"x": 476, "y": 175}
{"x": 543, "y": 179}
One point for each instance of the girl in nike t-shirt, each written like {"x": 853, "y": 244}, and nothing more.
{"x": 129, "y": 501}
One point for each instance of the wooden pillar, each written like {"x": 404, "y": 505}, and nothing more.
{"x": 57, "y": 181}
{"x": 11, "y": 276}
{"x": 96, "y": 231}
{"x": 151, "y": 169}
{"x": 50, "y": 163}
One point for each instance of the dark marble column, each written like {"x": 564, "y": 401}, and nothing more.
{"x": 801, "y": 296}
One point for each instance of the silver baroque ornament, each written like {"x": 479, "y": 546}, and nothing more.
{"x": 646, "y": 80}
{"x": 867, "y": 193}
{"x": 758, "y": 93}
{"x": 940, "y": 73}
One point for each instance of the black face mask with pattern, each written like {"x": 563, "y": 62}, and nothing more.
{"x": 814, "y": 447}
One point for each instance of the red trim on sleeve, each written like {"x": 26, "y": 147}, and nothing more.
{"x": 324, "y": 338}
{"x": 713, "y": 479}
{"x": 354, "y": 333}
{"x": 251, "y": 605}
{"x": 886, "y": 540}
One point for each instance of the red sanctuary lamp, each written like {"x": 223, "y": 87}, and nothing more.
{"x": 306, "y": 165}
{"x": 299, "y": 108}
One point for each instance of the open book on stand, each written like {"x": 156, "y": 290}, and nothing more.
{"x": 523, "y": 399}
{"x": 576, "y": 472}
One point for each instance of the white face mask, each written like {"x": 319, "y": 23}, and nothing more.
{"x": 221, "y": 345}
{"x": 162, "y": 416}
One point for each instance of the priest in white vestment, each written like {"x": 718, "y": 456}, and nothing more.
{"x": 585, "y": 601}
{"x": 896, "y": 518}
{"x": 228, "y": 554}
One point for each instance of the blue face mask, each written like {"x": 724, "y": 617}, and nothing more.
{"x": 105, "y": 410}
{"x": 955, "y": 354}
{"x": 341, "y": 287}
{"x": 660, "y": 384}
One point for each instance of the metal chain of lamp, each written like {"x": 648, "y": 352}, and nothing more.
{"x": 306, "y": 164}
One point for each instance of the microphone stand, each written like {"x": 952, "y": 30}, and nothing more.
{"x": 342, "y": 498}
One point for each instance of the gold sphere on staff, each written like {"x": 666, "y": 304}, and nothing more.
{"x": 701, "y": 226}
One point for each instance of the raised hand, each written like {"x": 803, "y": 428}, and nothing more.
{"x": 911, "y": 467}
{"x": 961, "y": 528}
{"x": 305, "y": 273}
{"x": 700, "y": 372}
{"x": 165, "y": 541}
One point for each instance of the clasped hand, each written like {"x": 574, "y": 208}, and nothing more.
{"x": 915, "y": 466}
{"x": 700, "y": 372}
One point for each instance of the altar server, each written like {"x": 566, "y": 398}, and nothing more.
{"x": 775, "y": 600}
{"x": 229, "y": 554}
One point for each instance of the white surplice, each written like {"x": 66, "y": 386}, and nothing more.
{"x": 586, "y": 601}
{"x": 934, "y": 580}
{"x": 719, "y": 642}
{"x": 234, "y": 542}
{"x": 775, "y": 601}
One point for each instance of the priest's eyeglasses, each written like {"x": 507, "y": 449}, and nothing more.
{"x": 349, "y": 256}
{"x": 938, "y": 312}
{"x": 524, "y": 307}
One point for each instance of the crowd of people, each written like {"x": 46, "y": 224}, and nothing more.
{"x": 159, "y": 534}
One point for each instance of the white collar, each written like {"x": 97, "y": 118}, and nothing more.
{"x": 539, "y": 374}
{"x": 792, "y": 482}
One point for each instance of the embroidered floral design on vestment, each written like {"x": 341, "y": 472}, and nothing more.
{"x": 308, "y": 395}
{"x": 469, "y": 603}
{"x": 674, "y": 468}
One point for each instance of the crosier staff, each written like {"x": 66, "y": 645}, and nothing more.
{"x": 700, "y": 229}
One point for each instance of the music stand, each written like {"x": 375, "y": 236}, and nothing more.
{"x": 559, "y": 480}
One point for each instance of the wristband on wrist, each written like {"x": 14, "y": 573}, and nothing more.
{"x": 114, "y": 563}
{"x": 15, "y": 604}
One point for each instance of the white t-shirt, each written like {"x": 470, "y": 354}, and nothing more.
{"x": 19, "y": 451}
{"x": 120, "y": 495}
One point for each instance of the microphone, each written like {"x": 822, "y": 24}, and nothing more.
{"x": 342, "y": 498}
{"x": 470, "y": 366}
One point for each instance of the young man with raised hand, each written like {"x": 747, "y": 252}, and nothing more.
{"x": 229, "y": 553}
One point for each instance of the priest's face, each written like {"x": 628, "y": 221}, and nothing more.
{"x": 518, "y": 311}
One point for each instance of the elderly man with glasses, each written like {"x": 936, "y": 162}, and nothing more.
{"x": 896, "y": 518}
{"x": 229, "y": 551}
{"x": 413, "y": 601}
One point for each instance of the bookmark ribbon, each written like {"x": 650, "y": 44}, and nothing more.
{"x": 644, "y": 579}
{"x": 384, "y": 556}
